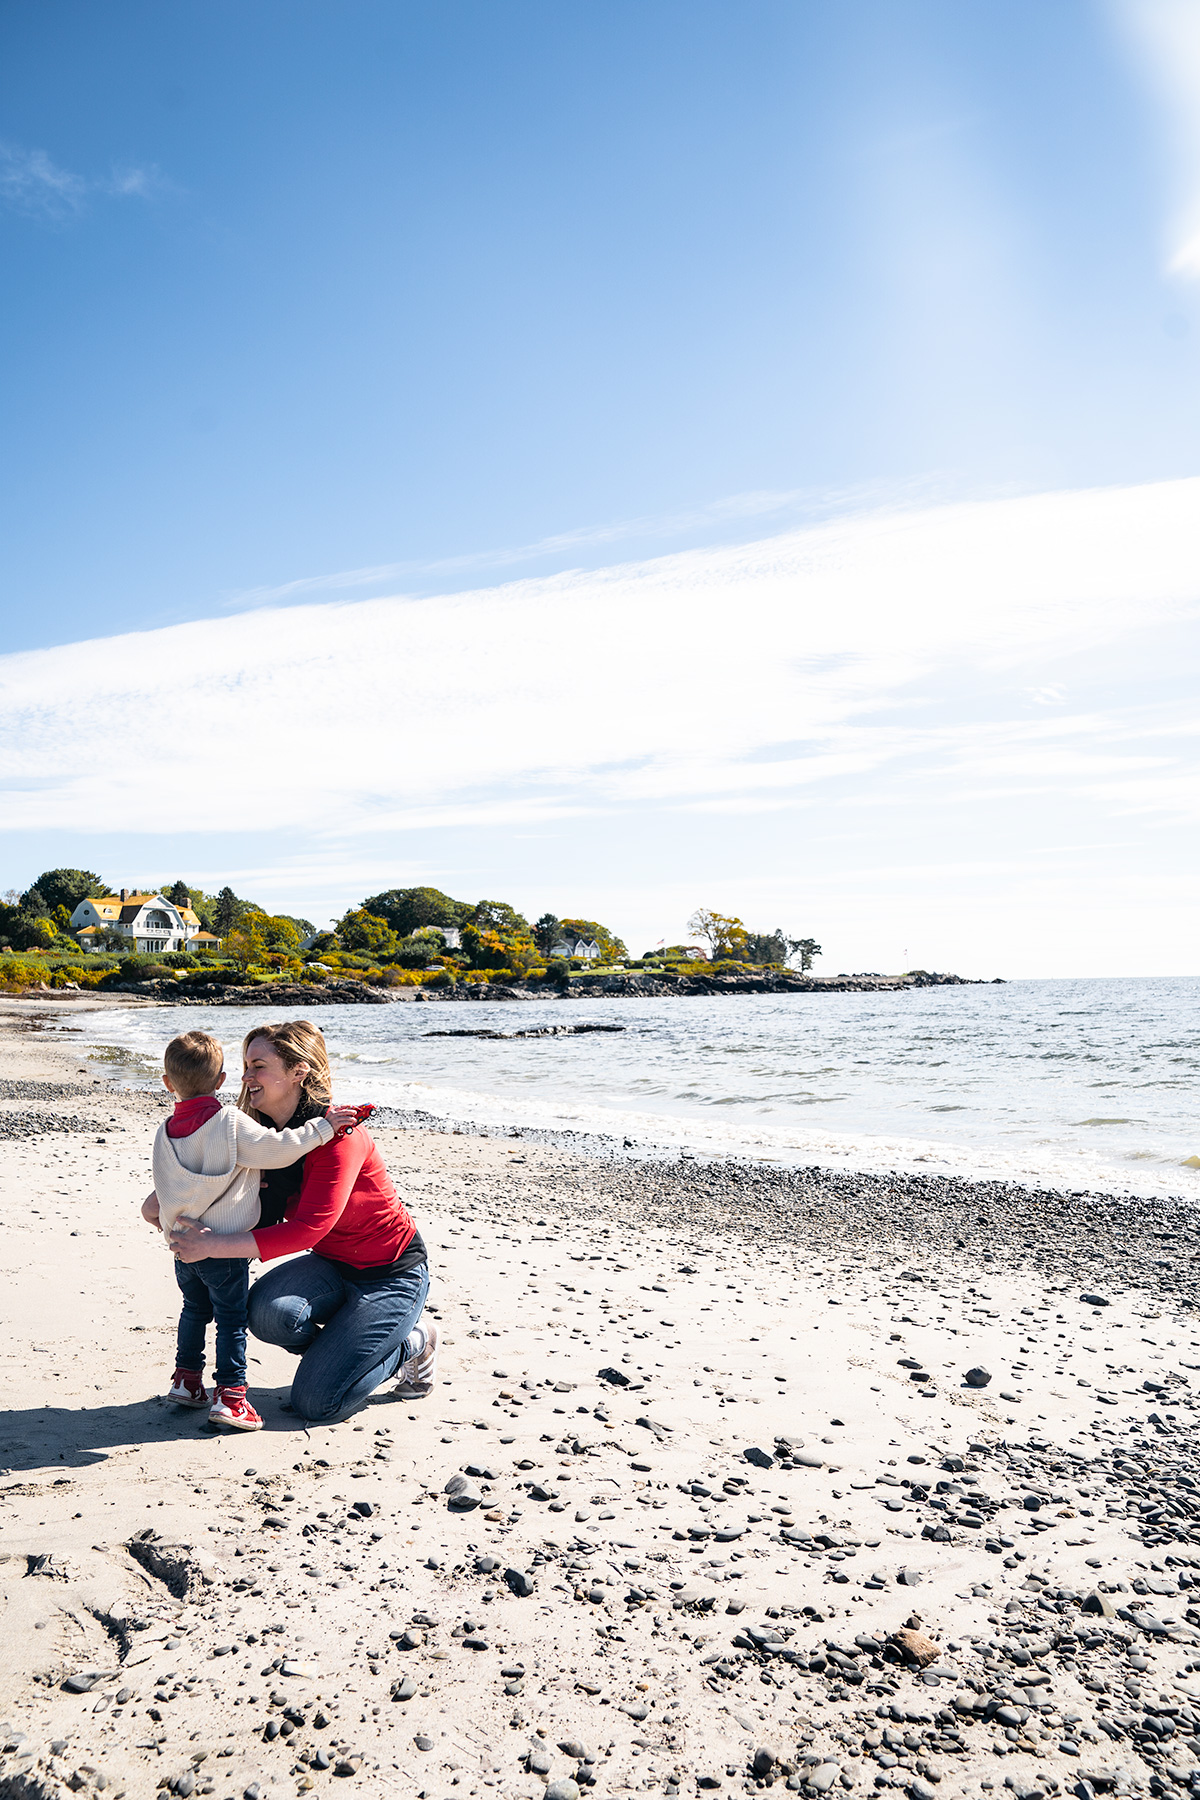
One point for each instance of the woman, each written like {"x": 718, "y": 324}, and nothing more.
{"x": 350, "y": 1308}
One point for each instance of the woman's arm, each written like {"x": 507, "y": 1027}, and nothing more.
{"x": 329, "y": 1177}
{"x": 150, "y": 1210}
{"x": 192, "y": 1242}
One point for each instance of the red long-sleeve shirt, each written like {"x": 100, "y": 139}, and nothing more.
{"x": 347, "y": 1209}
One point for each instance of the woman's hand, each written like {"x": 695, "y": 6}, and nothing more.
{"x": 150, "y": 1210}
{"x": 192, "y": 1242}
{"x": 189, "y": 1241}
{"x": 342, "y": 1117}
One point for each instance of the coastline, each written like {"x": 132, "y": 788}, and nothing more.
{"x": 745, "y": 1478}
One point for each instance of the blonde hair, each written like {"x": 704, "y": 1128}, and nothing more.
{"x": 193, "y": 1063}
{"x": 295, "y": 1041}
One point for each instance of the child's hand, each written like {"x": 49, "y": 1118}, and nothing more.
{"x": 342, "y": 1117}
{"x": 150, "y": 1211}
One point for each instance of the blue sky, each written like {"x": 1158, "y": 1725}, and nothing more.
{"x": 309, "y": 306}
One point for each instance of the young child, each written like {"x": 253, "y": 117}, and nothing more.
{"x": 206, "y": 1162}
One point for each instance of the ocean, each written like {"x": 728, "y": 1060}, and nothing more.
{"x": 1068, "y": 1084}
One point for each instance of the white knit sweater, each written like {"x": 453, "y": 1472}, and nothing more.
{"x": 213, "y": 1173}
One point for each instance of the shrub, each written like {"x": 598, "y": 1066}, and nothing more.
{"x": 179, "y": 959}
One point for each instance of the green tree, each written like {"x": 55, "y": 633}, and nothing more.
{"x": 227, "y": 912}
{"x": 725, "y": 936}
{"x": 245, "y": 944}
{"x": 67, "y": 887}
{"x": 546, "y": 933}
{"x": 805, "y": 948}
{"x": 499, "y": 916}
{"x": 407, "y": 909}
{"x": 278, "y": 933}
{"x": 359, "y": 930}
{"x": 611, "y": 947}
{"x": 766, "y": 947}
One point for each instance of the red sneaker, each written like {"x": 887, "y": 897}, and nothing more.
{"x": 231, "y": 1407}
{"x": 187, "y": 1389}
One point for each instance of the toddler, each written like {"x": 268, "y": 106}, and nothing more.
{"x": 206, "y": 1162}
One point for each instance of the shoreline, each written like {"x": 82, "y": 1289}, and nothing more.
{"x": 686, "y": 1394}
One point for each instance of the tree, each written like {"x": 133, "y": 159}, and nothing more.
{"x": 66, "y": 887}
{"x": 227, "y": 912}
{"x": 278, "y": 932}
{"x": 611, "y": 947}
{"x": 358, "y": 931}
{"x": 766, "y": 947}
{"x": 179, "y": 894}
{"x": 245, "y": 944}
{"x": 499, "y": 916}
{"x": 546, "y": 933}
{"x": 407, "y": 909}
{"x": 807, "y": 948}
{"x": 724, "y": 936}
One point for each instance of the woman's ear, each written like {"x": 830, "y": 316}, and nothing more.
{"x": 300, "y": 1070}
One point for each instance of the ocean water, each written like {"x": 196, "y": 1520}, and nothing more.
{"x": 1077, "y": 1084}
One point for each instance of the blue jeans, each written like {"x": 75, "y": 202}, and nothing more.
{"x": 214, "y": 1289}
{"x": 350, "y": 1332}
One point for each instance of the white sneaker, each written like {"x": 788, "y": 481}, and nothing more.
{"x": 417, "y": 1374}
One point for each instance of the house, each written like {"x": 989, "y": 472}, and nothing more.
{"x": 451, "y": 934}
{"x": 148, "y": 921}
{"x": 587, "y": 949}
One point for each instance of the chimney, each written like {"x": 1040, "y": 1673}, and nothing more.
{"x": 124, "y": 895}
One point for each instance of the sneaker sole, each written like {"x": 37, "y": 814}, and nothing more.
{"x": 403, "y": 1391}
{"x": 236, "y": 1424}
{"x": 195, "y": 1405}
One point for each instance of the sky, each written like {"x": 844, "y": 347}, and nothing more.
{"x": 615, "y": 460}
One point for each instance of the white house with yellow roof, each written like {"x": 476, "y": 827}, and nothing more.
{"x": 150, "y": 921}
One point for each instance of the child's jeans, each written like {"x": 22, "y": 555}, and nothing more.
{"x": 214, "y": 1289}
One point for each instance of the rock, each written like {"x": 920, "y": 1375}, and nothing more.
{"x": 916, "y": 1647}
{"x": 764, "y": 1760}
{"x": 486, "y": 1565}
{"x": 977, "y": 1378}
{"x": 920, "y": 1790}
{"x": 574, "y": 1749}
{"x": 909, "y": 1577}
{"x": 404, "y": 1689}
{"x": 363, "y": 1508}
{"x": 539, "y": 1760}
{"x": 84, "y": 1682}
{"x": 1093, "y": 1300}
{"x": 759, "y": 1458}
{"x": 423, "y": 1743}
{"x": 519, "y": 1583}
{"x": 463, "y": 1495}
{"x": 1100, "y": 1604}
{"x": 562, "y": 1789}
{"x": 822, "y": 1778}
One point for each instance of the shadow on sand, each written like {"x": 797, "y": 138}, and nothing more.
{"x": 47, "y": 1437}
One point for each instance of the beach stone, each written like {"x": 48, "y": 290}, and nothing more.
{"x": 562, "y": 1789}
{"x": 539, "y": 1760}
{"x": 765, "y": 1758}
{"x": 519, "y": 1583}
{"x": 976, "y": 1378}
{"x": 1100, "y": 1604}
{"x": 463, "y": 1494}
{"x": 1093, "y": 1300}
{"x": 423, "y": 1743}
{"x": 822, "y": 1778}
{"x": 404, "y": 1689}
{"x": 916, "y": 1646}
{"x": 574, "y": 1749}
{"x": 909, "y": 1577}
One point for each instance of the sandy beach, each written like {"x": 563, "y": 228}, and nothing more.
{"x": 730, "y": 1512}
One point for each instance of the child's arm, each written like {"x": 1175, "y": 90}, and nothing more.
{"x": 259, "y": 1147}
{"x": 150, "y": 1210}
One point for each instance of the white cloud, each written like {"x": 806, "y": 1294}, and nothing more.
{"x": 869, "y": 657}
{"x": 30, "y": 182}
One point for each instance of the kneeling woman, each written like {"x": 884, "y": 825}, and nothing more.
{"x": 351, "y": 1308}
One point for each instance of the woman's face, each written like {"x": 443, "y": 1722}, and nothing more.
{"x": 272, "y": 1086}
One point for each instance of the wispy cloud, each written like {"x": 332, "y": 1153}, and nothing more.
{"x": 731, "y": 510}
{"x": 32, "y": 183}
{"x": 888, "y": 659}
{"x": 1167, "y": 35}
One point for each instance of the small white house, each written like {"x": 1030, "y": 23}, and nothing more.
{"x": 451, "y": 934}
{"x": 587, "y": 949}
{"x": 150, "y": 922}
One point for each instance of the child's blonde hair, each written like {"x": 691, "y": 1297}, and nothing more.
{"x": 193, "y": 1064}
{"x": 297, "y": 1041}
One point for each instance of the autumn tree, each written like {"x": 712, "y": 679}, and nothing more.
{"x": 725, "y": 937}
{"x": 359, "y": 930}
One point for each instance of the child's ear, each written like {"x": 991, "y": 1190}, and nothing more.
{"x": 167, "y": 1084}
{"x": 221, "y": 1079}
